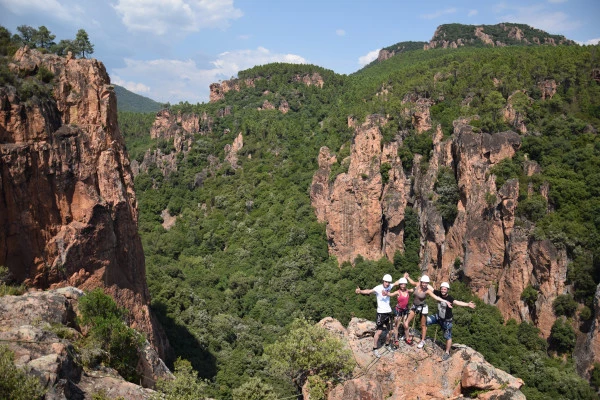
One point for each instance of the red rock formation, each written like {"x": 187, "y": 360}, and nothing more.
{"x": 231, "y": 150}
{"x": 310, "y": 80}
{"x": 548, "y": 88}
{"x": 418, "y": 111}
{"x": 384, "y": 55}
{"x": 68, "y": 212}
{"x": 466, "y": 370}
{"x": 284, "y": 107}
{"x": 167, "y": 125}
{"x": 363, "y": 213}
{"x": 218, "y": 90}
{"x": 512, "y": 117}
{"x": 484, "y": 37}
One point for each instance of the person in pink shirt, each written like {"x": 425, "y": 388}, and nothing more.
{"x": 401, "y": 310}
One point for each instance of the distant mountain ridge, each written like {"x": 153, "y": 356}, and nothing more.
{"x": 132, "y": 102}
{"x": 461, "y": 35}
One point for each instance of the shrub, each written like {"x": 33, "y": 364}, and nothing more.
{"x": 185, "y": 386}
{"x": 564, "y": 305}
{"x": 385, "y": 175}
{"x": 562, "y": 337}
{"x": 529, "y": 296}
{"x": 15, "y": 383}
{"x": 595, "y": 376}
{"x": 255, "y": 389}
{"x": 447, "y": 191}
{"x": 109, "y": 340}
{"x": 308, "y": 350}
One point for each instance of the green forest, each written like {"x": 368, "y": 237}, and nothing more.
{"x": 247, "y": 256}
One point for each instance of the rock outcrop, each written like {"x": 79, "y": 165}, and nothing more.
{"x": 68, "y": 212}
{"x": 411, "y": 373}
{"x": 500, "y": 35}
{"x": 36, "y": 327}
{"x": 218, "y": 90}
{"x": 363, "y": 207}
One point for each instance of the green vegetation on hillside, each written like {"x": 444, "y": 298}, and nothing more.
{"x": 247, "y": 255}
{"x": 128, "y": 101}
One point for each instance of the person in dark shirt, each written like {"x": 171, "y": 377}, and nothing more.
{"x": 443, "y": 317}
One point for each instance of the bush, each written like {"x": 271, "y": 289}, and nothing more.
{"x": 562, "y": 337}
{"x": 529, "y": 296}
{"x": 185, "y": 386}
{"x": 15, "y": 383}
{"x": 308, "y": 350}
{"x": 255, "y": 389}
{"x": 595, "y": 376}
{"x": 564, "y": 305}
{"x": 447, "y": 191}
{"x": 109, "y": 340}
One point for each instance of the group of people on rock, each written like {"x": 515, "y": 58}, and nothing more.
{"x": 402, "y": 314}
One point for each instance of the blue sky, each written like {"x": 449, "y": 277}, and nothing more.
{"x": 172, "y": 50}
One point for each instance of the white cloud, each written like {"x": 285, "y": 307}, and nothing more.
{"x": 590, "y": 42}
{"x": 367, "y": 58}
{"x": 438, "y": 13}
{"x": 182, "y": 80}
{"x": 340, "y": 32}
{"x": 539, "y": 17}
{"x": 167, "y": 17}
{"x": 47, "y": 7}
{"x": 135, "y": 87}
{"x": 472, "y": 13}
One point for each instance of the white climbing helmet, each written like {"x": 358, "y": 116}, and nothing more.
{"x": 402, "y": 280}
{"x": 445, "y": 284}
{"x": 387, "y": 278}
{"x": 425, "y": 279}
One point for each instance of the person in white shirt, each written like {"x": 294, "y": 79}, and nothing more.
{"x": 384, "y": 311}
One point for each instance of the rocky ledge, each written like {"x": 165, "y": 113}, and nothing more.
{"x": 412, "y": 373}
{"x": 35, "y": 325}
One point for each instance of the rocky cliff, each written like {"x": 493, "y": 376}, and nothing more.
{"x": 68, "y": 212}
{"x": 411, "y": 373}
{"x": 364, "y": 212}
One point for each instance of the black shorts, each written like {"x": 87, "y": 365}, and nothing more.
{"x": 400, "y": 312}
{"x": 384, "y": 321}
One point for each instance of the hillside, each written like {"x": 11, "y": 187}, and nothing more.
{"x": 230, "y": 196}
{"x": 132, "y": 102}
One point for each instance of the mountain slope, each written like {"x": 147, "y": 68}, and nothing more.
{"x": 132, "y": 102}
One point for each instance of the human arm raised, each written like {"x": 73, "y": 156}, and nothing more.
{"x": 363, "y": 291}
{"x": 409, "y": 279}
{"x": 464, "y": 304}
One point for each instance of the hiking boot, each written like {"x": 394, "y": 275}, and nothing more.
{"x": 421, "y": 344}
{"x": 376, "y": 353}
{"x": 445, "y": 356}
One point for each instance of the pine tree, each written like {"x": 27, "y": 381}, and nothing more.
{"x": 82, "y": 43}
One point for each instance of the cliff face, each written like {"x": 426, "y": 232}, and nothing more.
{"x": 68, "y": 212}
{"x": 482, "y": 245}
{"x": 363, "y": 213}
